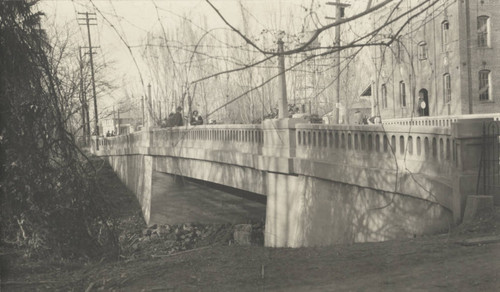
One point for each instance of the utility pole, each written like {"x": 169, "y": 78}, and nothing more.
{"x": 150, "y": 107}
{"x": 87, "y": 20}
{"x": 159, "y": 109}
{"x": 83, "y": 98}
{"x": 113, "y": 119}
{"x": 85, "y": 105}
{"x": 118, "y": 121}
{"x": 283, "y": 105}
{"x": 469, "y": 68}
{"x": 339, "y": 13}
{"x": 142, "y": 106}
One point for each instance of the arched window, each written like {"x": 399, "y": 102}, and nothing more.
{"x": 422, "y": 51}
{"x": 483, "y": 31}
{"x": 484, "y": 85}
{"x": 447, "y": 87}
{"x": 402, "y": 93}
{"x": 445, "y": 28}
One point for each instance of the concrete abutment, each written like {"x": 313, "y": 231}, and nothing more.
{"x": 136, "y": 172}
{"x": 305, "y": 211}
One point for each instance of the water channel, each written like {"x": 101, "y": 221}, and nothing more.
{"x": 178, "y": 200}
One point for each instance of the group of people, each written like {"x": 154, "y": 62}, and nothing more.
{"x": 176, "y": 119}
{"x": 110, "y": 134}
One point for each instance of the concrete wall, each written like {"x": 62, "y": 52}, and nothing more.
{"x": 135, "y": 171}
{"x": 306, "y": 211}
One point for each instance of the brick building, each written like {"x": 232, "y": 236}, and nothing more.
{"x": 446, "y": 61}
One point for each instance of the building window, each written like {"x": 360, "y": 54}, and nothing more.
{"x": 483, "y": 30}
{"x": 447, "y": 87}
{"x": 422, "y": 51}
{"x": 398, "y": 49}
{"x": 484, "y": 85}
{"x": 402, "y": 93}
{"x": 445, "y": 28}
{"x": 384, "y": 96}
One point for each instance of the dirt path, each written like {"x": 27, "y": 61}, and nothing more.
{"x": 429, "y": 264}
{"x": 434, "y": 264}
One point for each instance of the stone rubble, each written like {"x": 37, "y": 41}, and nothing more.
{"x": 169, "y": 239}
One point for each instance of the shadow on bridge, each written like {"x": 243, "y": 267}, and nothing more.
{"x": 306, "y": 211}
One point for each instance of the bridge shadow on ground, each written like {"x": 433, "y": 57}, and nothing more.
{"x": 176, "y": 200}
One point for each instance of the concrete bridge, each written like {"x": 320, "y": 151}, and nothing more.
{"x": 324, "y": 184}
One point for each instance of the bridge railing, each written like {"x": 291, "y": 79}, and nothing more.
{"x": 241, "y": 138}
{"x": 422, "y": 121}
{"x": 133, "y": 140}
{"x": 437, "y": 121}
{"x": 424, "y": 149}
{"x": 138, "y": 139}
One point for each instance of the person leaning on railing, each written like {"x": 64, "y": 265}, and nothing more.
{"x": 196, "y": 119}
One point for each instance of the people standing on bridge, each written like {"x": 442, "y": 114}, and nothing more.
{"x": 176, "y": 119}
{"x": 169, "y": 121}
{"x": 196, "y": 119}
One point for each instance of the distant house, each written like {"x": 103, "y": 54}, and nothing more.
{"x": 107, "y": 126}
{"x": 354, "y": 114}
{"x": 121, "y": 124}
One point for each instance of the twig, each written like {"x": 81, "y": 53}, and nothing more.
{"x": 9, "y": 253}
{"x": 89, "y": 288}
{"x": 178, "y": 253}
{"x": 27, "y": 283}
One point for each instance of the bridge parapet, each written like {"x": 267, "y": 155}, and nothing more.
{"x": 419, "y": 149}
{"x": 241, "y": 138}
{"x": 444, "y": 121}
{"x": 438, "y": 121}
